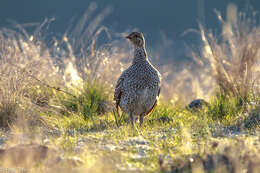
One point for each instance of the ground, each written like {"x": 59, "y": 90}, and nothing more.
{"x": 161, "y": 145}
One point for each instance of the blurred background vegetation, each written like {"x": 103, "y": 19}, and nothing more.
{"x": 165, "y": 21}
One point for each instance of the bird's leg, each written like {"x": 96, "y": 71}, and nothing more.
{"x": 132, "y": 118}
{"x": 135, "y": 118}
{"x": 141, "y": 119}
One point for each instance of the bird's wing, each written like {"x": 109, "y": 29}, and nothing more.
{"x": 118, "y": 91}
{"x": 155, "y": 103}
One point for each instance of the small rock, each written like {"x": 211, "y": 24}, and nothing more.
{"x": 71, "y": 161}
{"x": 138, "y": 140}
{"x": 164, "y": 119}
{"x": 137, "y": 156}
{"x": 3, "y": 140}
{"x": 46, "y": 141}
{"x": 110, "y": 147}
{"x": 197, "y": 104}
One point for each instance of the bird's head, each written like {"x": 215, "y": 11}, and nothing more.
{"x": 137, "y": 38}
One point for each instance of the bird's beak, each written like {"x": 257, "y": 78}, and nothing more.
{"x": 128, "y": 37}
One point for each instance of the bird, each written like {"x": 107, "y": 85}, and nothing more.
{"x": 138, "y": 87}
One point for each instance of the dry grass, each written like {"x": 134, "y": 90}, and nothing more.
{"x": 233, "y": 58}
{"x": 21, "y": 59}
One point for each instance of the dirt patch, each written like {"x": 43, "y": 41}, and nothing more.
{"x": 27, "y": 155}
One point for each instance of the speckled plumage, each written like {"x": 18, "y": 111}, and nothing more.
{"x": 138, "y": 87}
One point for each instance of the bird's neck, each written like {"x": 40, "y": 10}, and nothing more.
{"x": 140, "y": 54}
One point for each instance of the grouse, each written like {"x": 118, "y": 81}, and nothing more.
{"x": 138, "y": 88}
